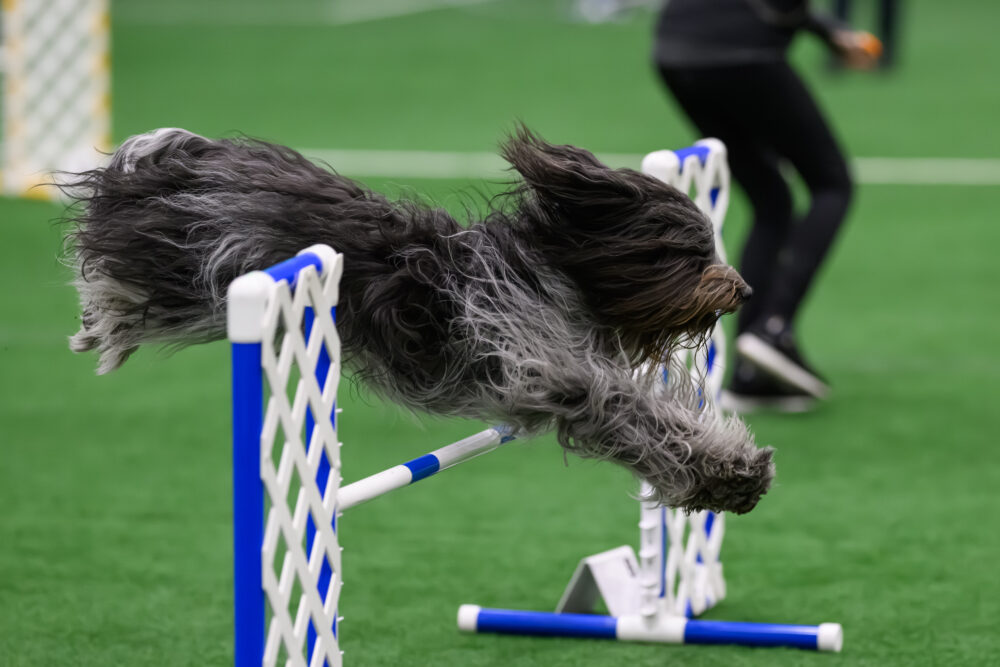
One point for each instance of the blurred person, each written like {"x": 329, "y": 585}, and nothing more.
{"x": 605, "y": 11}
{"x": 725, "y": 63}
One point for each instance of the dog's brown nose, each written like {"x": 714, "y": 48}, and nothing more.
{"x": 746, "y": 292}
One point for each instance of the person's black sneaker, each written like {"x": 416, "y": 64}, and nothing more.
{"x": 751, "y": 390}
{"x": 773, "y": 349}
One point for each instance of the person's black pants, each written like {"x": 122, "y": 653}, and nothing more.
{"x": 765, "y": 114}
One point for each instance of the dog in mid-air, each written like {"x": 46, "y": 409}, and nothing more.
{"x": 558, "y": 310}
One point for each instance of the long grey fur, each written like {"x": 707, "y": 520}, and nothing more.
{"x": 542, "y": 315}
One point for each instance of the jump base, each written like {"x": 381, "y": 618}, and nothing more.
{"x": 658, "y": 629}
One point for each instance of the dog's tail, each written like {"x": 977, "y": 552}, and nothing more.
{"x": 158, "y": 234}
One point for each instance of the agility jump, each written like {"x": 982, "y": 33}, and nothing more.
{"x": 571, "y": 307}
{"x": 285, "y": 317}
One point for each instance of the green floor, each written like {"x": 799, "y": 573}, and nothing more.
{"x": 115, "y": 493}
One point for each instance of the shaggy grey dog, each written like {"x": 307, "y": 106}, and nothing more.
{"x": 542, "y": 315}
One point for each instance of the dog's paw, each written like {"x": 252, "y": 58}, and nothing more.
{"x": 728, "y": 488}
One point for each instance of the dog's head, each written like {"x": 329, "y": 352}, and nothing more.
{"x": 640, "y": 250}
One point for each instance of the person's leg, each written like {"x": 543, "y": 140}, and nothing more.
{"x": 720, "y": 103}
{"x": 842, "y": 10}
{"x": 715, "y": 100}
{"x": 757, "y": 172}
{"x": 889, "y": 31}
{"x": 798, "y": 131}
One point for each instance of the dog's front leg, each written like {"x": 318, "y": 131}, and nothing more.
{"x": 692, "y": 459}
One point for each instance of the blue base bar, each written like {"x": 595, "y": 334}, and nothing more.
{"x": 751, "y": 634}
{"x": 543, "y": 624}
{"x": 669, "y": 630}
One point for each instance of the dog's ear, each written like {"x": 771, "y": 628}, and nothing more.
{"x": 566, "y": 177}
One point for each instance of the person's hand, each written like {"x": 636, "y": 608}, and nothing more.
{"x": 857, "y": 49}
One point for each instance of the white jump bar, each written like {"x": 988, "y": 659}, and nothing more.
{"x": 423, "y": 467}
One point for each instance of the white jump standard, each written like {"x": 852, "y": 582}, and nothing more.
{"x": 287, "y": 573}
{"x": 280, "y": 320}
{"x": 288, "y": 492}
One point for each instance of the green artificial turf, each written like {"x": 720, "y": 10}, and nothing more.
{"x": 115, "y": 491}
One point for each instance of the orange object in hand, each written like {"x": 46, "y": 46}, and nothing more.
{"x": 870, "y": 44}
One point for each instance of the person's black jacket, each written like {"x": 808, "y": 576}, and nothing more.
{"x": 731, "y": 32}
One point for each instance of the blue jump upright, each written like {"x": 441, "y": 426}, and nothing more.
{"x": 254, "y": 313}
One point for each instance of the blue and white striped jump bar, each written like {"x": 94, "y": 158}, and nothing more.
{"x": 662, "y": 629}
{"x": 423, "y": 467}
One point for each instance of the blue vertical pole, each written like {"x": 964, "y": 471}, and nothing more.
{"x": 664, "y": 543}
{"x": 322, "y": 476}
{"x": 248, "y": 504}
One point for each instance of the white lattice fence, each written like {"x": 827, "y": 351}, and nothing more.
{"x": 679, "y": 553}
{"x": 296, "y": 350}
{"x": 56, "y": 90}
